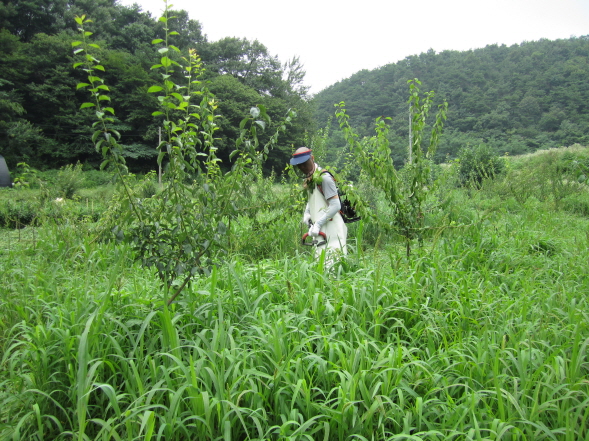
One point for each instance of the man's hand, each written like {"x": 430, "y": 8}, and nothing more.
{"x": 314, "y": 230}
{"x": 307, "y": 219}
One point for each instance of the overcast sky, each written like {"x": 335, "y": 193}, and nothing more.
{"x": 335, "y": 39}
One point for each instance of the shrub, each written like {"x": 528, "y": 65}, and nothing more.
{"x": 97, "y": 178}
{"x": 549, "y": 175}
{"x": 148, "y": 186}
{"x": 477, "y": 164}
{"x": 69, "y": 180}
{"x": 574, "y": 165}
{"x": 577, "y": 203}
{"x": 26, "y": 176}
{"x": 16, "y": 213}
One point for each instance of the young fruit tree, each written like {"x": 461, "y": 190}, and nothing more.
{"x": 180, "y": 230}
{"x": 406, "y": 195}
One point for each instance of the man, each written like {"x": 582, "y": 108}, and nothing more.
{"x": 322, "y": 213}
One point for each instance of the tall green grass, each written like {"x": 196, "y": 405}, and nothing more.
{"x": 481, "y": 334}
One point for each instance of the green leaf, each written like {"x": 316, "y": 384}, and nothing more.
{"x": 177, "y": 96}
{"x": 76, "y": 43}
{"x": 153, "y": 89}
{"x": 163, "y": 50}
{"x": 76, "y": 65}
{"x": 99, "y": 67}
{"x": 84, "y": 105}
{"x": 157, "y": 113}
{"x": 157, "y": 40}
{"x": 77, "y": 51}
{"x": 81, "y": 85}
{"x": 109, "y": 109}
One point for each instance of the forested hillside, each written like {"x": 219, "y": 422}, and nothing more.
{"x": 40, "y": 117}
{"x": 516, "y": 99}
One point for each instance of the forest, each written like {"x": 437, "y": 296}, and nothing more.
{"x": 41, "y": 122}
{"x": 515, "y": 99}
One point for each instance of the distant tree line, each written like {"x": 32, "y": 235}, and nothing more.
{"x": 514, "y": 99}
{"x": 40, "y": 118}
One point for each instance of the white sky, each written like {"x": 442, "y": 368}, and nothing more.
{"x": 335, "y": 39}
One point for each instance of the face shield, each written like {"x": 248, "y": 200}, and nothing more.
{"x": 302, "y": 162}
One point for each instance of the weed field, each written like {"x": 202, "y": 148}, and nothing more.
{"x": 480, "y": 334}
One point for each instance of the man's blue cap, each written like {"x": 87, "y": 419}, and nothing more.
{"x": 302, "y": 154}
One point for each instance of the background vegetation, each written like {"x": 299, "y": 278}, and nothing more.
{"x": 41, "y": 122}
{"x": 514, "y": 99}
{"x": 481, "y": 333}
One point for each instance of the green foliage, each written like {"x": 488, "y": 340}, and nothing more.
{"x": 179, "y": 232}
{"x": 478, "y": 163}
{"x": 406, "y": 196}
{"x": 34, "y": 207}
{"x": 17, "y": 212}
{"x": 69, "y": 180}
{"x": 97, "y": 178}
{"x": 574, "y": 164}
{"x": 515, "y": 99}
{"x": 25, "y": 175}
{"x": 247, "y": 61}
{"x": 557, "y": 176}
{"x": 40, "y": 117}
{"x": 481, "y": 337}
{"x": 577, "y": 203}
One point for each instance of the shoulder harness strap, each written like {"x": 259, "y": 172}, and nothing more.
{"x": 322, "y": 172}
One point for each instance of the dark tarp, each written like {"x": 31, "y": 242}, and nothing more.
{"x": 5, "y": 180}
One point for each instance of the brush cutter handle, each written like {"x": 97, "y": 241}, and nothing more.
{"x": 315, "y": 241}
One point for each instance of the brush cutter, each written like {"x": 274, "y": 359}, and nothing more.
{"x": 315, "y": 242}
